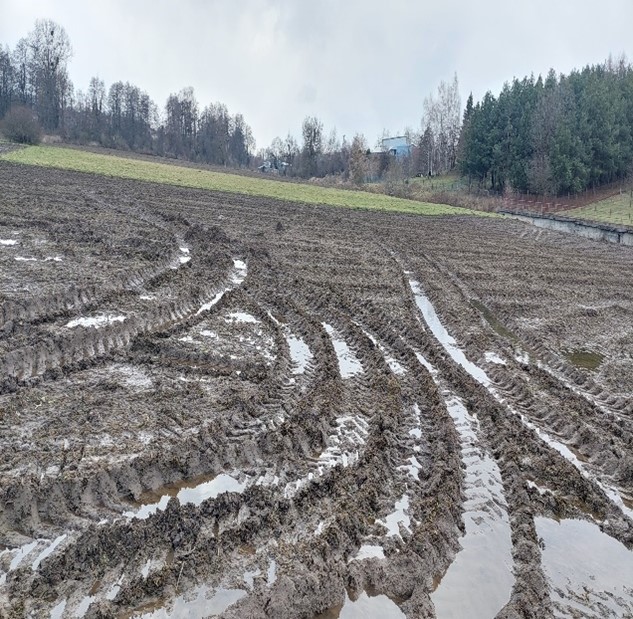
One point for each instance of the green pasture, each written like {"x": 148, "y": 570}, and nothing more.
{"x": 157, "y": 172}
{"x": 616, "y": 210}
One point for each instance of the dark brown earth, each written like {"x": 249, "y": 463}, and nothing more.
{"x": 95, "y": 422}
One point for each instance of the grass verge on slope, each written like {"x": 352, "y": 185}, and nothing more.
{"x": 136, "y": 169}
{"x": 615, "y": 210}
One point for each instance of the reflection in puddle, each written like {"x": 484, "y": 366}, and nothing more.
{"x": 57, "y": 612}
{"x": 439, "y": 331}
{"x": 413, "y": 468}
{"x": 113, "y": 591}
{"x": 365, "y": 607}
{"x": 21, "y": 553}
{"x": 590, "y": 573}
{"x": 493, "y": 357}
{"x": 47, "y": 551}
{"x": 188, "y": 493}
{"x": 95, "y": 321}
{"x": 84, "y": 605}
{"x": 249, "y": 577}
{"x": 479, "y": 581}
{"x": 494, "y": 322}
{"x": 205, "y": 307}
{"x": 194, "y": 604}
{"x": 369, "y": 551}
{"x": 399, "y": 517}
{"x": 348, "y": 363}
{"x": 585, "y": 359}
{"x": 242, "y": 317}
{"x": 271, "y": 574}
{"x": 300, "y": 354}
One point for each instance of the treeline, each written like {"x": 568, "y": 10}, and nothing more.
{"x": 34, "y": 75}
{"x": 431, "y": 151}
{"x": 320, "y": 155}
{"x": 560, "y": 135}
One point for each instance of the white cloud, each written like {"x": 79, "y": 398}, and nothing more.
{"x": 359, "y": 65}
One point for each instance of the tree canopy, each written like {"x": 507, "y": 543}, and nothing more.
{"x": 560, "y": 135}
{"x": 34, "y": 76}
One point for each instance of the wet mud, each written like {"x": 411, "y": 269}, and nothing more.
{"x": 203, "y": 412}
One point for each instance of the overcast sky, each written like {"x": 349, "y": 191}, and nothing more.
{"x": 358, "y": 65}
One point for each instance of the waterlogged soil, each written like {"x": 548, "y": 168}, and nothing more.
{"x": 585, "y": 359}
{"x": 216, "y": 405}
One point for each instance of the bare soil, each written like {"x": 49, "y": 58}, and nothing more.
{"x": 145, "y": 351}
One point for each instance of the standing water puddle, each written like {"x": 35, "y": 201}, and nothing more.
{"x": 57, "y": 612}
{"x": 600, "y": 587}
{"x": 457, "y": 354}
{"x": 28, "y": 550}
{"x": 181, "y": 259}
{"x": 368, "y": 551}
{"x": 493, "y": 357}
{"x": 398, "y": 518}
{"x": 271, "y": 573}
{"x": 584, "y": 359}
{"x": 94, "y": 321}
{"x": 348, "y": 363}
{"x": 242, "y": 317}
{"x": 237, "y": 277}
{"x": 479, "y": 581}
{"x": 440, "y": 332}
{"x": 300, "y": 354}
{"x": 47, "y": 551}
{"x": 190, "y": 492}
{"x": 492, "y": 320}
{"x": 365, "y": 607}
{"x": 196, "y": 603}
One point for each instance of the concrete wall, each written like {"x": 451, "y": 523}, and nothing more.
{"x": 586, "y": 229}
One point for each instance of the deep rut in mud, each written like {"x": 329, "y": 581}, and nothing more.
{"x": 222, "y": 405}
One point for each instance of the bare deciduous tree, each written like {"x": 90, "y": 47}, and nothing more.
{"x": 442, "y": 118}
{"x": 49, "y": 51}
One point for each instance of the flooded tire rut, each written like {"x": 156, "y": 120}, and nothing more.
{"x": 216, "y": 405}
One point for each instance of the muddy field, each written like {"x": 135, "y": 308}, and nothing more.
{"x": 220, "y": 405}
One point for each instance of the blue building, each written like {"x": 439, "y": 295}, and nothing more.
{"x": 398, "y": 146}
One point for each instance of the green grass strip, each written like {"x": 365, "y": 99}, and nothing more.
{"x": 615, "y": 210}
{"x": 156, "y": 172}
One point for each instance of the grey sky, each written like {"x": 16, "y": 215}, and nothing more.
{"x": 359, "y": 65}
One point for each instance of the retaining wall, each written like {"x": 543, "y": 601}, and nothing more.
{"x": 587, "y": 229}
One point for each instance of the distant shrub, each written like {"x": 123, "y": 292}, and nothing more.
{"x": 20, "y": 125}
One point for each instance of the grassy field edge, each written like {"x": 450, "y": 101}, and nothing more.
{"x": 616, "y": 210}
{"x": 136, "y": 169}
